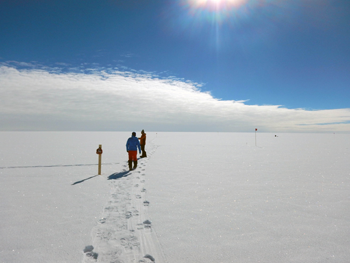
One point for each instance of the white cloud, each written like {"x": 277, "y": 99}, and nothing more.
{"x": 36, "y": 99}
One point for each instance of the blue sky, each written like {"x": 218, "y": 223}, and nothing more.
{"x": 290, "y": 54}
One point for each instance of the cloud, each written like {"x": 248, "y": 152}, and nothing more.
{"x": 41, "y": 99}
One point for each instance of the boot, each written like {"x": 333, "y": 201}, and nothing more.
{"x": 135, "y": 164}
{"x": 130, "y": 165}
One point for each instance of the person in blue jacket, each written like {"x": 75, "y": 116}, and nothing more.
{"x": 131, "y": 147}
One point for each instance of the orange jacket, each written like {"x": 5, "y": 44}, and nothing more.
{"x": 143, "y": 139}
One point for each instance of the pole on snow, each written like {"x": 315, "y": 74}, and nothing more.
{"x": 99, "y": 152}
{"x": 255, "y": 135}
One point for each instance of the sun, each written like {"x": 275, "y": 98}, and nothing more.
{"x": 208, "y": 4}
{"x": 216, "y": 12}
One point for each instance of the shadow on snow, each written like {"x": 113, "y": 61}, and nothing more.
{"x": 49, "y": 166}
{"x": 116, "y": 176}
{"x": 78, "y": 182}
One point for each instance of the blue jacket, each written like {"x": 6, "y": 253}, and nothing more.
{"x": 132, "y": 144}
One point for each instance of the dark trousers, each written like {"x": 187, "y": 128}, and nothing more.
{"x": 143, "y": 150}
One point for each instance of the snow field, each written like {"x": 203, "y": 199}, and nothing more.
{"x": 219, "y": 198}
{"x": 198, "y": 197}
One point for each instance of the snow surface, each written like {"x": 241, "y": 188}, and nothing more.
{"x": 198, "y": 197}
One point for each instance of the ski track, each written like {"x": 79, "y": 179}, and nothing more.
{"x": 124, "y": 232}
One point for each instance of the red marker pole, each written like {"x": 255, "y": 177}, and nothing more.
{"x": 99, "y": 152}
{"x": 255, "y": 135}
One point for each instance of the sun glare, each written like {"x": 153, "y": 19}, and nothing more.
{"x": 216, "y": 12}
{"x": 209, "y": 4}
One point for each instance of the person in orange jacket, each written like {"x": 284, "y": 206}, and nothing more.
{"x": 143, "y": 144}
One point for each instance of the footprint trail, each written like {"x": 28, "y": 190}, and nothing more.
{"x": 124, "y": 233}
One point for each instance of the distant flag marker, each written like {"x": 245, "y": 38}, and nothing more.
{"x": 255, "y": 135}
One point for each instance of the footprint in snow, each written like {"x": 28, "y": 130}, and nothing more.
{"x": 138, "y": 196}
{"x": 88, "y": 250}
{"x": 128, "y": 215}
{"x": 135, "y": 212}
{"x": 111, "y": 209}
{"x": 130, "y": 242}
{"x": 146, "y": 203}
{"x": 147, "y": 224}
{"x": 148, "y": 257}
{"x": 102, "y": 220}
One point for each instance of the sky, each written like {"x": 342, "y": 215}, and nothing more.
{"x": 185, "y": 65}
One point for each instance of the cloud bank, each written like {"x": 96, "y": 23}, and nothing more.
{"x": 39, "y": 99}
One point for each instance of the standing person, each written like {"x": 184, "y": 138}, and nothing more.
{"x": 131, "y": 147}
{"x": 143, "y": 144}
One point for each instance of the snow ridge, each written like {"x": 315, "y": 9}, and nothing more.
{"x": 124, "y": 233}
